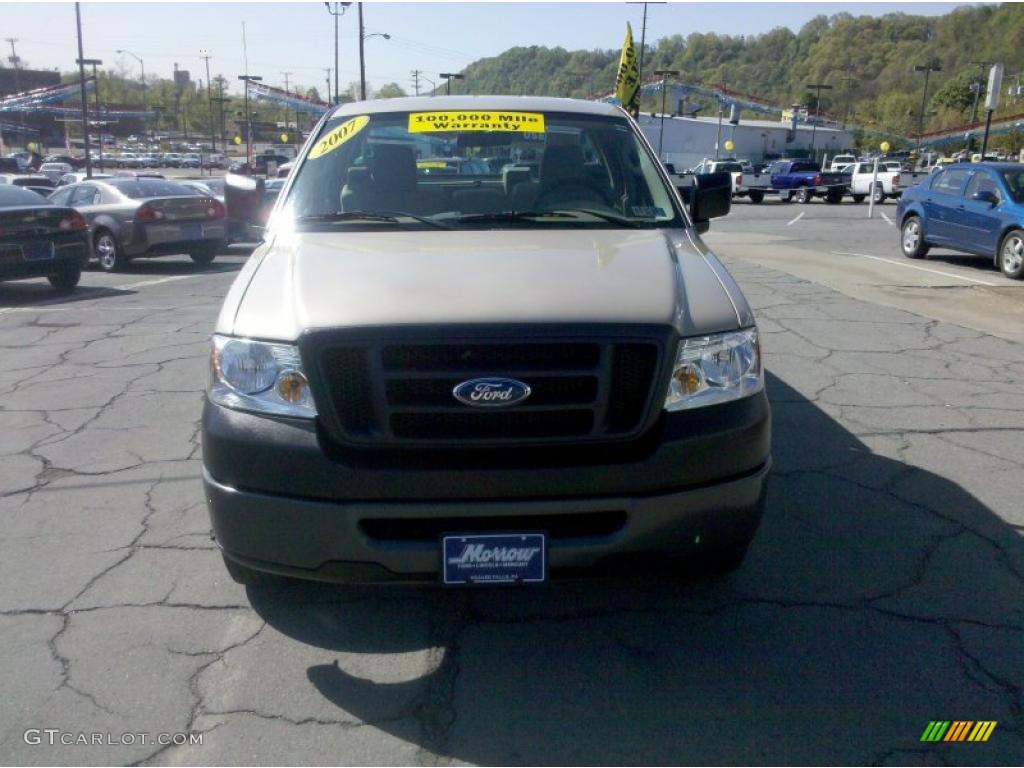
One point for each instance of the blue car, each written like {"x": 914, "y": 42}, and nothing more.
{"x": 972, "y": 207}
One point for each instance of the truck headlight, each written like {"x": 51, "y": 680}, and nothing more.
{"x": 715, "y": 369}
{"x": 260, "y": 377}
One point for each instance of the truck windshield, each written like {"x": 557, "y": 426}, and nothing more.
{"x": 510, "y": 169}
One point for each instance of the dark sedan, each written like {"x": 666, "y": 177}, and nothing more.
{"x": 41, "y": 239}
{"x": 972, "y": 207}
{"x": 74, "y": 162}
{"x": 139, "y": 217}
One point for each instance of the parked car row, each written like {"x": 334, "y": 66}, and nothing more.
{"x": 113, "y": 219}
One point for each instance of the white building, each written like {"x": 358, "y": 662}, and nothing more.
{"x": 688, "y": 140}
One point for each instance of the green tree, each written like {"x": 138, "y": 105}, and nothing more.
{"x": 955, "y": 94}
{"x": 389, "y": 91}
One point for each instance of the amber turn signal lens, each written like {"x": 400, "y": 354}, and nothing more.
{"x": 291, "y": 386}
{"x": 687, "y": 379}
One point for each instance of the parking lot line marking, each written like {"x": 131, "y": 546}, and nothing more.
{"x": 157, "y": 281}
{"x": 887, "y": 219}
{"x": 914, "y": 266}
{"x": 796, "y": 219}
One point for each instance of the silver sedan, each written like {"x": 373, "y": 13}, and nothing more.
{"x": 138, "y": 217}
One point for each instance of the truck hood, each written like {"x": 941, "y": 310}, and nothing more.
{"x": 304, "y": 281}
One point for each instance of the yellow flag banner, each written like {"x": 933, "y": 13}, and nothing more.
{"x": 627, "y": 81}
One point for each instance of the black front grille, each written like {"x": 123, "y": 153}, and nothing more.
{"x": 570, "y": 525}
{"x": 388, "y": 393}
{"x": 476, "y": 357}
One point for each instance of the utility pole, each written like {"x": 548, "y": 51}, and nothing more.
{"x": 818, "y": 87}
{"x": 932, "y": 66}
{"x": 327, "y": 94}
{"x": 416, "y": 81}
{"x": 85, "y": 101}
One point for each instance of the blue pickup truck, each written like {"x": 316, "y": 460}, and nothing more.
{"x": 803, "y": 180}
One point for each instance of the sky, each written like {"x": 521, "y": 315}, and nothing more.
{"x": 298, "y": 37}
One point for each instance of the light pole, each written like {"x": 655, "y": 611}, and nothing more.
{"x": 96, "y": 84}
{"x": 847, "y": 79}
{"x": 142, "y": 66}
{"x": 248, "y": 120}
{"x": 209, "y": 105}
{"x": 287, "y": 90}
{"x": 449, "y": 76}
{"x": 932, "y": 66}
{"x": 339, "y": 10}
{"x": 818, "y": 88}
{"x": 977, "y": 86}
{"x": 221, "y": 101}
{"x": 363, "y": 37}
{"x": 85, "y": 101}
{"x": 663, "y": 73}
{"x": 16, "y": 61}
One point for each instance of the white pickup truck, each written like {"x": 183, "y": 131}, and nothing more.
{"x": 862, "y": 175}
{"x": 734, "y": 169}
{"x": 745, "y": 183}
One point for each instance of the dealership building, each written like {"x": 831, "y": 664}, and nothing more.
{"x": 688, "y": 140}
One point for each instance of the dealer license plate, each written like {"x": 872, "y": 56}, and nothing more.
{"x": 494, "y": 558}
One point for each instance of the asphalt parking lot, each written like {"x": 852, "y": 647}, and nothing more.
{"x": 885, "y": 588}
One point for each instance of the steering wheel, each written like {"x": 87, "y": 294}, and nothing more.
{"x": 569, "y": 187}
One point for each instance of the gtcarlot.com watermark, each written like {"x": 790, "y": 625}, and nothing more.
{"x": 55, "y": 736}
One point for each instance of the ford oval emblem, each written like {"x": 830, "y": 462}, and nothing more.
{"x": 494, "y": 392}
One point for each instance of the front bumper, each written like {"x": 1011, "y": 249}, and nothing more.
{"x": 282, "y": 499}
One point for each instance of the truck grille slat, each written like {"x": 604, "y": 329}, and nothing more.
{"x": 398, "y": 394}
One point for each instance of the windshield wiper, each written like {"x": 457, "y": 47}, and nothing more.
{"x": 564, "y": 213}
{"x": 393, "y": 217}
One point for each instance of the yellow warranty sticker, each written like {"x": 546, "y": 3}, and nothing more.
{"x": 431, "y": 164}
{"x": 338, "y": 136}
{"x": 514, "y": 122}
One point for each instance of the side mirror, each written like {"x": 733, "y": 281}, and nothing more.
{"x": 708, "y": 196}
{"x": 986, "y": 196}
{"x": 243, "y": 200}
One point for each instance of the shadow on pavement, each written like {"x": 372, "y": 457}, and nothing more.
{"x": 876, "y": 597}
{"x": 38, "y": 292}
{"x": 179, "y": 265}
